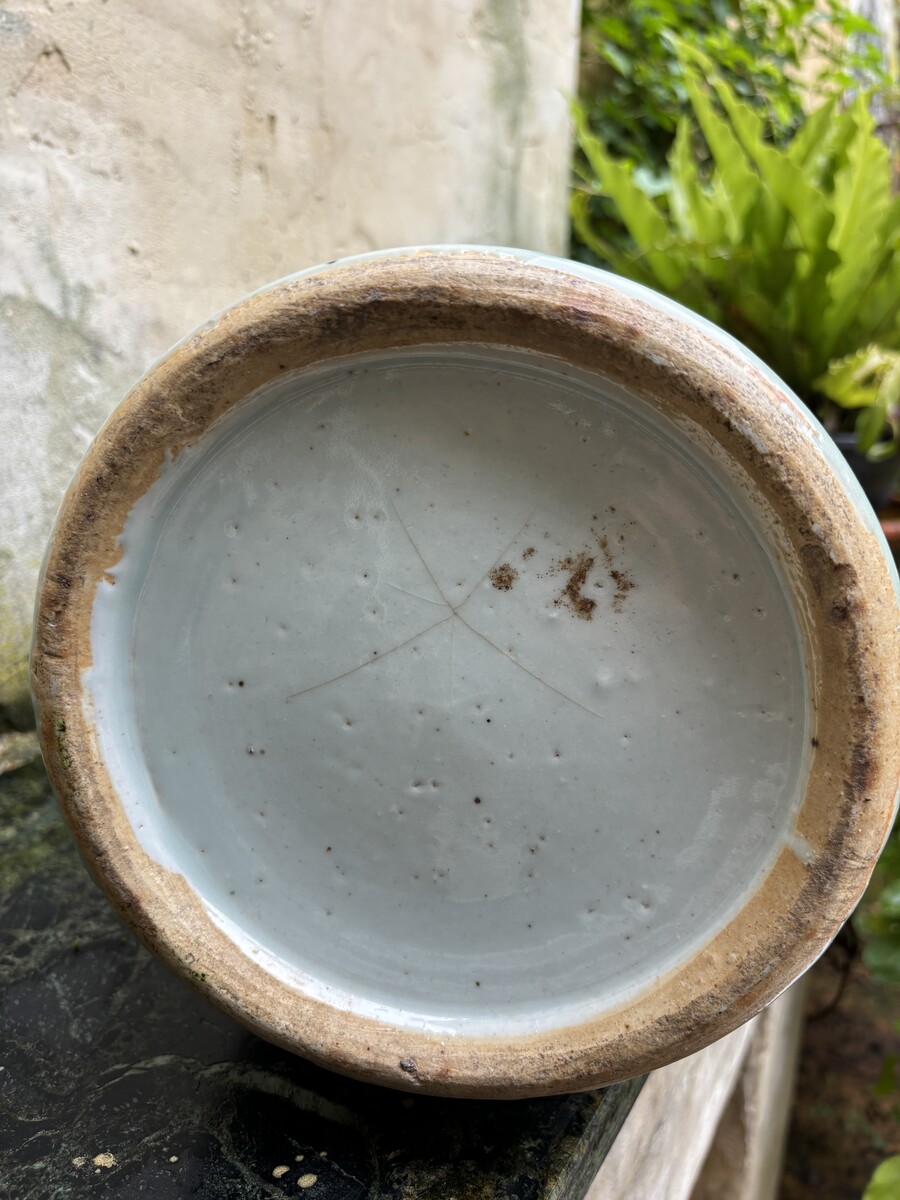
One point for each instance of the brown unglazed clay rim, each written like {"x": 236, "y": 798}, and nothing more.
{"x": 829, "y": 555}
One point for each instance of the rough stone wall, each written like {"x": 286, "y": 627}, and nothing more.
{"x": 159, "y": 158}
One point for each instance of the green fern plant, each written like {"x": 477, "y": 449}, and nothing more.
{"x": 631, "y": 81}
{"x": 794, "y": 249}
{"x": 631, "y": 73}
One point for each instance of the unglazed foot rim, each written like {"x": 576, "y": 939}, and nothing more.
{"x": 543, "y": 607}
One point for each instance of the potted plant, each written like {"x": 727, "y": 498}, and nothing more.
{"x": 793, "y": 248}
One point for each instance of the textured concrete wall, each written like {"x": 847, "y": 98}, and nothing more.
{"x": 160, "y": 158}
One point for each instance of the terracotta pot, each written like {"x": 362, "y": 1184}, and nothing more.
{"x": 472, "y": 671}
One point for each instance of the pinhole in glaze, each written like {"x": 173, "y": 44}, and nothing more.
{"x": 475, "y": 673}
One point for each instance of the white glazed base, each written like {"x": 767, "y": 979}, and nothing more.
{"x": 461, "y": 690}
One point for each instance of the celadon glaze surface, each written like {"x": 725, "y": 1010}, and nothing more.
{"x": 458, "y": 686}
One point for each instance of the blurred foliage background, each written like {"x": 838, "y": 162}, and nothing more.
{"x": 740, "y": 156}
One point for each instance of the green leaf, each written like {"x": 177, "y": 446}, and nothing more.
{"x": 883, "y": 450}
{"x": 579, "y": 210}
{"x": 809, "y": 136}
{"x": 779, "y": 174}
{"x": 617, "y": 58}
{"x": 870, "y": 424}
{"x": 651, "y": 183}
{"x": 885, "y": 1183}
{"x": 643, "y": 220}
{"x": 617, "y": 30}
{"x": 785, "y": 232}
{"x": 605, "y": 251}
{"x": 852, "y": 24}
{"x": 738, "y": 181}
{"x": 852, "y": 381}
{"x": 860, "y": 202}
{"x": 696, "y": 214}
{"x": 868, "y": 380}
{"x": 878, "y": 308}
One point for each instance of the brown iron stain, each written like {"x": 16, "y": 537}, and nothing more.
{"x": 503, "y": 577}
{"x": 577, "y": 567}
{"x": 622, "y": 579}
{"x": 624, "y": 584}
{"x": 526, "y": 554}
